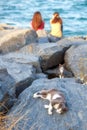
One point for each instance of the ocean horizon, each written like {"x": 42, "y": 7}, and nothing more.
{"x": 20, "y": 12}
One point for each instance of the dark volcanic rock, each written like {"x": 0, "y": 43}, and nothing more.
{"x": 50, "y": 53}
{"x": 7, "y": 90}
{"x": 19, "y": 69}
{"x": 30, "y": 114}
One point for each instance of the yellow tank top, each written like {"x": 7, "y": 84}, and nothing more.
{"x": 56, "y": 29}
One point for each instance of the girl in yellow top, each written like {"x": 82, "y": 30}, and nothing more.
{"x": 56, "y": 28}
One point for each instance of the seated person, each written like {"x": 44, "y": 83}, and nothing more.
{"x": 56, "y": 28}
{"x": 37, "y": 24}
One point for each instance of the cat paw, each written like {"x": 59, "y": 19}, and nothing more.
{"x": 59, "y": 111}
{"x": 35, "y": 95}
{"x": 46, "y": 106}
{"x": 49, "y": 112}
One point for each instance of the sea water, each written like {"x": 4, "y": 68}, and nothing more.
{"x": 20, "y": 12}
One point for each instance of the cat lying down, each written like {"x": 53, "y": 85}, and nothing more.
{"x": 56, "y": 100}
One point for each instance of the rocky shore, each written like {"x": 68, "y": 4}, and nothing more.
{"x": 27, "y": 66}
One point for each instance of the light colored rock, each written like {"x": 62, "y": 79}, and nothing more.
{"x": 4, "y": 26}
{"x": 66, "y": 43}
{"x": 16, "y": 39}
{"x": 41, "y": 75}
{"x": 76, "y": 60}
{"x": 22, "y": 73}
{"x": 21, "y": 58}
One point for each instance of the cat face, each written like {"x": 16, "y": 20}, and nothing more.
{"x": 61, "y": 68}
{"x": 61, "y": 108}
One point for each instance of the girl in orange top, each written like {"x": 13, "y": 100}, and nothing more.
{"x": 56, "y": 28}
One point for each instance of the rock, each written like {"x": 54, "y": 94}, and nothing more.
{"x": 80, "y": 38}
{"x": 52, "y": 73}
{"x": 21, "y": 58}
{"x": 7, "y": 90}
{"x": 41, "y": 75}
{"x": 29, "y": 113}
{"x": 6, "y": 29}
{"x": 4, "y": 26}
{"x": 16, "y": 39}
{"x": 76, "y": 60}
{"x": 29, "y": 62}
{"x": 50, "y": 53}
{"x": 22, "y": 72}
{"x": 70, "y": 41}
{"x": 42, "y": 36}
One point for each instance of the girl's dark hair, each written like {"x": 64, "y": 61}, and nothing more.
{"x": 56, "y": 18}
{"x": 37, "y": 20}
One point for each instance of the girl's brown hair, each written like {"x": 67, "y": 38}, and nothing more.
{"x": 37, "y": 20}
{"x": 56, "y": 18}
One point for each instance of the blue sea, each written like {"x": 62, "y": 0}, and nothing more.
{"x": 73, "y": 13}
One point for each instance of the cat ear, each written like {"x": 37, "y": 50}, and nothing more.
{"x": 59, "y": 64}
{"x": 44, "y": 91}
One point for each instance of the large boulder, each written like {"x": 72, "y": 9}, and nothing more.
{"x": 7, "y": 90}
{"x": 27, "y": 59}
{"x": 50, "y": 53}
{"x": 70, "y": 41}
{"x": 76, "y": 60}
{"x": 22, "y": 72}
{"x": 29, "y": 113}
{"x": 16, "y": 39}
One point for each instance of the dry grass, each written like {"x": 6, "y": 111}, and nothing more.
{"x": 2, "y": 116}
{"x": 2, "y": 121}
{"x": 9, "y": 122}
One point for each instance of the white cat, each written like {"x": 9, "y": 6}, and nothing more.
{"x": 61, "y": 71}
{"x": 56, "y": 100}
